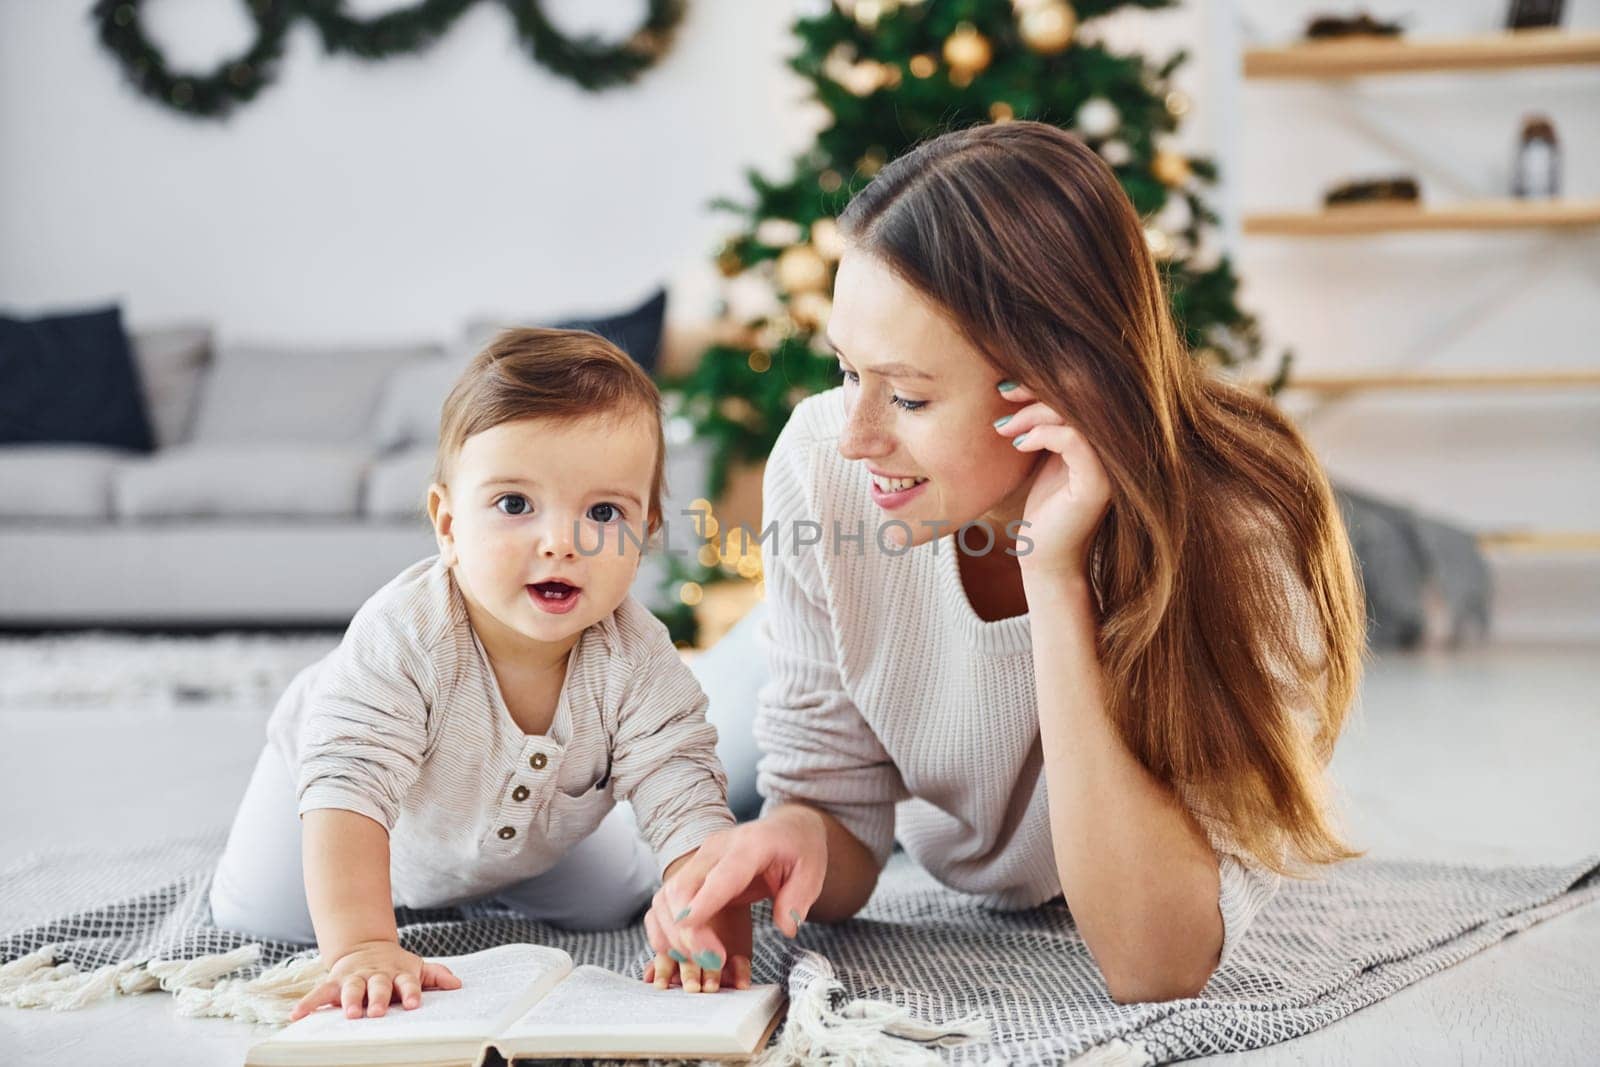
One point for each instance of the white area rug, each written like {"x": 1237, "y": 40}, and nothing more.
{"x": 93, "y": 669}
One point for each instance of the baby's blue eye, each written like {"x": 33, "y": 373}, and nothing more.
{"x": 514, "y": 504}
{"x": 599, "y": 513}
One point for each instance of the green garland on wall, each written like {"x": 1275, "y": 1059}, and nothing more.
{"x": 591, "y": 63}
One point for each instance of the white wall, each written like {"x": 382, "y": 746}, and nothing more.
{"x": 395, "y": 199}
{"x": 376, "y": 200}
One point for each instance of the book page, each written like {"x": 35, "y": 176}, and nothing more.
{"x": 497, "y": 985}
{"x": 595, "y": 1010}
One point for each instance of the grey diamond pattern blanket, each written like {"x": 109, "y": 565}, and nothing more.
{"x": 1321, "y": 950}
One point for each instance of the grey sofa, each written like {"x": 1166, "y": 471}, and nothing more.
{"x": 286, "y": 486}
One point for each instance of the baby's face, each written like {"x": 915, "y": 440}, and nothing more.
{"x": 537, "y": 502}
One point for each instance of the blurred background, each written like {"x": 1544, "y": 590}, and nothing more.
{"x": 245, "y": 248}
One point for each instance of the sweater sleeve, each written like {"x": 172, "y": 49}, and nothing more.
{"x": 816, "y": 746}
{"x": 664, "y": 758}
{"x": 365, "y": 728}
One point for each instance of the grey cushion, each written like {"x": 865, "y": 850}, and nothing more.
{"x": 297, "y": 395}
{"x": 397, "y": 485}
{"x": 408, "y": 413}
{"x": 172, "y": 362}
{"x": 244, "y": 481}
{"x": 57, "y": 481}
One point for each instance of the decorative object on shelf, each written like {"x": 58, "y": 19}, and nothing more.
{"x": 1401, "y": 189}
{"x": 592, "y": 63}
{"x": 961, "y": 64}
{"x": 1334, "y": 27}
{"x": 1534, "y": 14}
{"x": 1536, "y": 174}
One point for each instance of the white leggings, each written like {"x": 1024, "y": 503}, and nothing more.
{"x": 602, "y": 883}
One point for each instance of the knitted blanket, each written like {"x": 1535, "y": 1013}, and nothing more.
{"x": 925, "y": 969}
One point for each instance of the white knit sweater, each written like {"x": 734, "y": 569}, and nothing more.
{"x": 893, "y": 706}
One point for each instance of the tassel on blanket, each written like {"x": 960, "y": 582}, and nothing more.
{"x": 38, "y": 981}
{"x": 267, "y": 998}
{"x": 859, "y": 1033}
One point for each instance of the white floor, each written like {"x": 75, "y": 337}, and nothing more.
{"x": 1484, "y": 757}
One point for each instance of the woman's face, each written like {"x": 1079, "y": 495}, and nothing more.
{"x": 921, "y": 406}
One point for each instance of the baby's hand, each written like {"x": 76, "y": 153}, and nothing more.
{"x": 704, "y": 971}
{"x": 369, "y": 975}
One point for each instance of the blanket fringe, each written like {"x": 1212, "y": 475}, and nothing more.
{"x": 37, "y": 980}
{"x": 823, "y": 1027}
{"x": 860, "y": 1033}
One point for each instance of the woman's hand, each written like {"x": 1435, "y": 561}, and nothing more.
{"x": 1070, "y": 491}
{"x": 783, "y": 856}
{"x": 367, "y": 976}
{"x": 705, "y": 973}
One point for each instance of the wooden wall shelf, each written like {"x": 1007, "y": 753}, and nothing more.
{"x": 1540, "y": 541}
{"x": 1494, "y": 381}
{"x": 1381, "y": 55}
{"x": 1400, "y": 218}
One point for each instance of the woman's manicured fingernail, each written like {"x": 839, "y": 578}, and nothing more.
{"x": 1007, "y": 386}
{"x": 1016, "y": 442}
{"x": 677, "y": 956}
{"x": 1001, "y": 421}
{"x": 708, "y": 960}
{"x": 682, "y": 915}
{"x": 795, "y": 915}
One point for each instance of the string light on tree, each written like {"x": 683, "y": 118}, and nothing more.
{"x": 967, "y": 53}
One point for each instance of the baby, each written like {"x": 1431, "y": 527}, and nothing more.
{"x": 487, "y": 708}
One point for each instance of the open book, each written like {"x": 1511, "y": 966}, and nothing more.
{"x": 528, "y": 1002}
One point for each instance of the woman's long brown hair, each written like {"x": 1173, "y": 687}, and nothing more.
{"x": 1232, "y": 626}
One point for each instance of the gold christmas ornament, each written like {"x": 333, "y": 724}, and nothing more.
{"x": 691, "y": 593}
{"x": 1178, "y": 103}
{"x": 1170, "y": 168}
{"x": 830, "y": 181}
{"x": 967, "y": 52}
{"x": 1098, "y": 118}
{"x": 709, "y": 555}
{"x": 1000, "y": 111}
{"x": 1048, "y": 28}
{"x": 811, "y": 310}
{"x": 1116, "y": 153}
{"x": 778, "y": 232}
{"x": 729, "y": 262}
{"x": 760, "y": 361}
{"x": 923, "y": 66}
{"x": 801, "y": 269}
{"x": 827, "y": 240}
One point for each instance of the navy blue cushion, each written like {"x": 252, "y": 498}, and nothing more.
{"x": 70, "y": 378}
{"x": 636, "y": 332}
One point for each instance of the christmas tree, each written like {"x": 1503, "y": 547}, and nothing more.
{"x": 892, "y": 73}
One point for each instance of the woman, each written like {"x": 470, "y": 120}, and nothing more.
{"x": 1102, "y": 629}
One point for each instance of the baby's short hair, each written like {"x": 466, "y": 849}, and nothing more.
{"x": 549, "y": 374}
